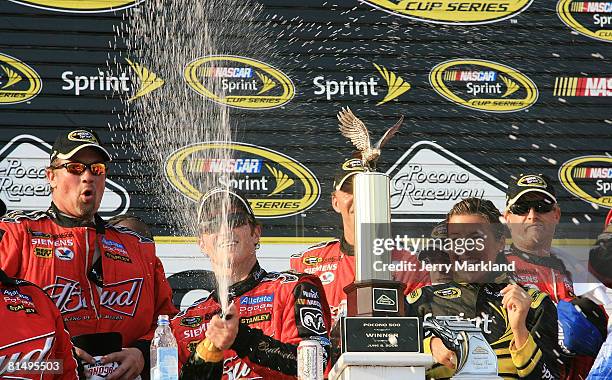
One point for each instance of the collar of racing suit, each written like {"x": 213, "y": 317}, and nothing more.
{"x": 346, "y": 248}
{"x": 241, "y": 287}
{"x": 5, "y": 279}
{"x": 66, "y": 221}
{"x": 547, "y": 261}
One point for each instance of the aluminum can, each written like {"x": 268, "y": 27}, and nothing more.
{"x": 310, "y": 360}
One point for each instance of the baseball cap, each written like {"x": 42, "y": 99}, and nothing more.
{"x": 529, "y": 183}
{"x": 214, "y": 197}
{"x": 347, "y": 170}
{"x": 2, "y": 208}
{"x": 68, "y": 144}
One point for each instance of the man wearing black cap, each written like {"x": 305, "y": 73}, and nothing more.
{"x": 334, "y": 261}
{"x": 102, "y": 278}
{"x": 268, "y": 314}
{"x": 532, "y": 215}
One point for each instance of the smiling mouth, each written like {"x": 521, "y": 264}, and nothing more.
{"x": 227, "y": 244}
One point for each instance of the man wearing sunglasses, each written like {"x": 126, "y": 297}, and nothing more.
{"x": 532, "y": 215}
{"x": 268, "y": 314}
{"x": 102, "y": 278}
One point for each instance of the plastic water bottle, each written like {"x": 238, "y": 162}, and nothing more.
{"x": 164, "y": 352}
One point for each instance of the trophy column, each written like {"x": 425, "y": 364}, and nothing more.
{"x": 376, "y": 340}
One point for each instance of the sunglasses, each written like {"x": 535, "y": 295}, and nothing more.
{"x": 233, "y": 220}
{"x": 78, "y": 168}
{"x": 522, "y": 208}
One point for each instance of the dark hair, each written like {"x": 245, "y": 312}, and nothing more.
{"x": 137, "y": 224}
{"x": 481, "y": 207}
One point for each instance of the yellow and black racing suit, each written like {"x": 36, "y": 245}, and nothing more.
{"x": 482, "y": 304}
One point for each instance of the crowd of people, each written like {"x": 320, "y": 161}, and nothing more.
{"x": 69, "y": 279}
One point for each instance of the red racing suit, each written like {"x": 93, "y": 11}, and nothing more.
{"x": 124, "y": 290}
{"x": 277, "y": 311}
{"x": 33, "y": 332}
{"x": 334, "y": 262}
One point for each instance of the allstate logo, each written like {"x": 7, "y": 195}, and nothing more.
{"x": 589, "y": 18}
{"x": 277, "y": 184}
{"x": 239, "y": 82}
{"x": 483, "y": 85}
{"x": 456, "y": 12}
{"x": 79, "y": 6}
{"x": 18, "y": 81}
{"x": 589, "y": 178}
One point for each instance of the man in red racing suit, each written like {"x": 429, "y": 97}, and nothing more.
{"x": 101, "y": 278}
{"x": 266, "y": 315}
{"x": 277, "y": 311}
{"x": 33, "y": 334}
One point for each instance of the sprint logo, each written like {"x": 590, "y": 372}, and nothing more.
{"x": 139, "y": 82}
{"x": 394, "y": 86}
{"x": 18, "y": 81}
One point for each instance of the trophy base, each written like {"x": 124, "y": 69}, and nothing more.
{"x": 474, "y": 377}
{"x": 375, "y": 298}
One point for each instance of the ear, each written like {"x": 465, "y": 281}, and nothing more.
{"x": 201, "y": 245}
{"x": 334, "y": 202}
{"x": 557, "y": 213}
{"x": 506, "y": 216}
{"x": 51, "y": 177}
{"x": 256, "y": 232}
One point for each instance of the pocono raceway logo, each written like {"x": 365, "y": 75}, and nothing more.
{"x": 18, "y": 81}
{"x": 589, "y": 18}
{"x": 239, "y": 82}
{"x": 137, "y": 81}
{"x": 79, "y": 6}
{"x": 455, "y": 12}
{"x": 589, "y": 178}
{"x": 277, "y": 185}
{"x": 483, "y": 85}
{"x": 392, "y": 87}
{"x": 428, "y": 180}
{"x": 583, "y": 86}
{"x": 24, "y": 186}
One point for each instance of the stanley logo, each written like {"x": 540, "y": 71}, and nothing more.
{"x": 455, "y": 12}
{"x": 79, "y": 6}
{"x": 589, "y": 178}
{"x": 583, "y": 86}
{"x": 239, "y": 82}
{"x": 18, "y": 81}
{"x": 277, "y": 184}
{"x": 590, "y": 18}
{"x": 371, "y": 87}
{"x": 483, "y": 85}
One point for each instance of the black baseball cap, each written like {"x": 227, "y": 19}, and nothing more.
{"x": 68, "y": 144}
{"x": 348, "y": 169}
{"x": 214, "y": 198}
{"x": 529, "y": 183}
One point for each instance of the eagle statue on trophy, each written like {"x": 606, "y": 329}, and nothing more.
{"x": 355, "y": 130}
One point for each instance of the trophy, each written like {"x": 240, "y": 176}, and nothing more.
{"x": 475, "y": 357}
{"x": 373, "y": 294}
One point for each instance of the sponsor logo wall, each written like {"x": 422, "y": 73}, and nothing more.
{"x": 488, "y": 89}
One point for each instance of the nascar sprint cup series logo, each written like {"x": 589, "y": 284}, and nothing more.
{"x": 483, "y": 85}
{"x": 79, "y": 6}
{"x": 18, "y": 81}
{"x": 590, "y": 18}
{"x": 589, "y": 178}
{"x": 277, "y": 185}
{"x": 456, "y": 12}
{"x": 239, "y": 82}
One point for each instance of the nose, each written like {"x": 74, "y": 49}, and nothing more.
{"x": 532, "y": 214}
